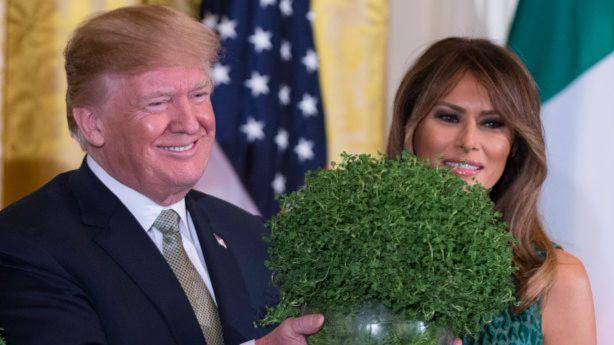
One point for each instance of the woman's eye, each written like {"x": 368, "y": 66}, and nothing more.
{"x": 494, "y": 124}
{"x": 445, "y": 117}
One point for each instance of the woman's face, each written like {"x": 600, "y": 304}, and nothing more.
{"x": 465, "y": 134}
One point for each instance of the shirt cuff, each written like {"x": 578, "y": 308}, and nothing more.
{"x": 251, "y": 342}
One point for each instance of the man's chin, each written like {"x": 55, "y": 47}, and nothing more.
{"x": 187, "y": 181}
{"x": 173, "y": 186}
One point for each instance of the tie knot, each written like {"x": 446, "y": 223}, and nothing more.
{"x": 167, "y": 222}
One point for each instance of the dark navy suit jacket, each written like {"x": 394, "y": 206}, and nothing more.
{"x": 77, "y": 268}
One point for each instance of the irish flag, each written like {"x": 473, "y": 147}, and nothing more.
{"x": 568, "y": 45}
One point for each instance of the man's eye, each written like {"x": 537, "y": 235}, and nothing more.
{"x": 200, "y": 96}
{"x": 446, "y": 117}
{"x": 156, "y": 105}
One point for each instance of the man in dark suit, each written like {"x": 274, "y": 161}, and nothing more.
{"x": 122, "y": 251}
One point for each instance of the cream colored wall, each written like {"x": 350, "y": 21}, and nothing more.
{"x": 2, "y": 41}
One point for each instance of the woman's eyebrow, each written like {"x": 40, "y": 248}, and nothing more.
{"x": 451, "y": 105}
{"x": 462, "y": 110}
{"x": 489, "y": 112}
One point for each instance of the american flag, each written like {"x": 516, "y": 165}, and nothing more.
{"x": 270, "y": 122}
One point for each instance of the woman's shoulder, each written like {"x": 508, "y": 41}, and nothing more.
{"x": 567, "y": 310}
{"x": 570, "y": 273}
{"x": 571, "y": 283}
{"x": 566, "y": 258}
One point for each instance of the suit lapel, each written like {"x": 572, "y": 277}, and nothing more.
{"x": 230, "y": 290}
{"x": 122, "y": 237}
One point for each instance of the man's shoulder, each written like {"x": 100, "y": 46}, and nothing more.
{"x": 44, "y": 202}
{"x": 41, "y": 221}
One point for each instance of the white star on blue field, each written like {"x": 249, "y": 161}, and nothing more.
{"x": 267, "y": 101}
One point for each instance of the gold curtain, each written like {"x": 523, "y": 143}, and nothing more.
{"x": 351, "y": 37}
{"x": 36, "y": 144}
{"x": 191, "y": 7}
{"x": 2, "y": 86}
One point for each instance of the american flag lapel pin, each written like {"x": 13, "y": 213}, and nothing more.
{"x": 220, "y": 241}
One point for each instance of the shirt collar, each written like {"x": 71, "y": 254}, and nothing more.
{"x": 142, "y": 208}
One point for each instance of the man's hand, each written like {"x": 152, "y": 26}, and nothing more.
{"x": 293, "y": 331}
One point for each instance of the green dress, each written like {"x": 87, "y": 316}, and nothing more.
{"x": 509, "y": 328}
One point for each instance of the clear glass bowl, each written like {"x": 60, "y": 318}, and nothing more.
{"x": 373, "y": 324}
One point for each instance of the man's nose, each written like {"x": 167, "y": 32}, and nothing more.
{"x": 185, "y": 118}
{"x": 467, "y": 138}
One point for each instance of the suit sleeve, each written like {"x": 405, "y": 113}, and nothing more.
{"x": 39, "y": 302}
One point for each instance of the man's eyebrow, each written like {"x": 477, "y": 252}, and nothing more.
{"x": 155, "y": 95}
{"x": 199, "y": 86}
{"x": 202, "y": 85}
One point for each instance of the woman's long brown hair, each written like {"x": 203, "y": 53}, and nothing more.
{"x": 513, "y": 94}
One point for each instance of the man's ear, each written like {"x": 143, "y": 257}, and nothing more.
{"x": 89, "y": 125}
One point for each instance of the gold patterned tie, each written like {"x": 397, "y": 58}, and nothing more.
{"x": 191, "y": 282}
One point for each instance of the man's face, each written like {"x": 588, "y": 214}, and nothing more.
{"x": 157, "y": 129}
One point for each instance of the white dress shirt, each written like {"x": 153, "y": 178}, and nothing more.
{"x": 146, "y": 211}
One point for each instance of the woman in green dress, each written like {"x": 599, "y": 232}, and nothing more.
{"x": 471, "y": 106}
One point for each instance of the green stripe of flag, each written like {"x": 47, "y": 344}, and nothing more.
{"x": 559, "y": 39}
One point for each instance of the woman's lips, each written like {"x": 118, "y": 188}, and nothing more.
{"x": 463, "y": 168}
